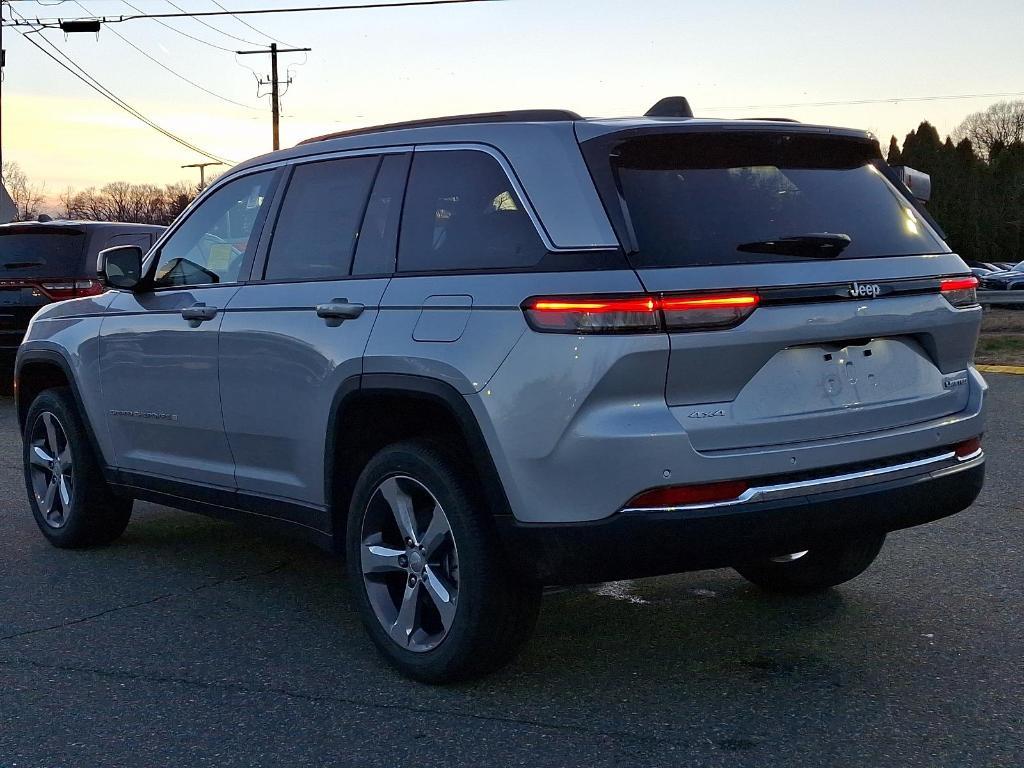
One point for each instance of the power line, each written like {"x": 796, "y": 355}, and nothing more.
{"x": 174, "y": 72}
{"x": 180, "y": 32}
{"x": 218, "y": 30}
{"x": 240, "y": 20}
{"x": 95, "y": 85}
{"x": 855, "y": 102}
{"x": 55, "y": 22}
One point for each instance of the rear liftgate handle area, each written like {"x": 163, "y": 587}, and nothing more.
{"x": 198, "y": 314}
{"x": 337, "y": 311}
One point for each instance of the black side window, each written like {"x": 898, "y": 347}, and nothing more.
{"x": 462, "y": 213}
{"x": 318, "y": 226}
{"x": 142, "y": 239}
{"x": 375, "y": 253}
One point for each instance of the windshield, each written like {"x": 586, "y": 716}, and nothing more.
{"x": 42, "y": 253}
{"x": 723, "y": 198}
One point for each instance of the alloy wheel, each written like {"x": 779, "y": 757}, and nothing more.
{"x": 410, "y": 563}
{"x": 51, "y": 466}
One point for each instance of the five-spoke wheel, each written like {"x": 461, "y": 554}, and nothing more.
{"x": 410, "y": 563}
{"x": 51, "y": 465}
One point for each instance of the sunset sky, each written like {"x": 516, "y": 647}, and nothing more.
{"x": 598, "y": 57}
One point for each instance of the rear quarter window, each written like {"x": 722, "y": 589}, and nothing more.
{"x": 709, "y": 198}
{"x": 462, "y": 213}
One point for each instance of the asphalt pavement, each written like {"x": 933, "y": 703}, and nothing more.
{"x": 194, "y": 642}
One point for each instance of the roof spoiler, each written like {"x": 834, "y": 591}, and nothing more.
{"x": 670, "y": 106}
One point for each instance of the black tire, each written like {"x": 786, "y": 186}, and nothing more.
{"x": 494, "y": 613}
{"x": 818, "y": 569}
{"x": 94, "y": 514}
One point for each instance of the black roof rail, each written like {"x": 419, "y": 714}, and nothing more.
{"x": 512, "y": 116}
{"x": 773, "y": 119}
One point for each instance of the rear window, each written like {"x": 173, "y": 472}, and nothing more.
{"x": 712, "y": 198}
{"x": 44, "y": 253}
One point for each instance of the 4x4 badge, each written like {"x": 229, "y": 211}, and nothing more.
{"x": 865, "y": 290}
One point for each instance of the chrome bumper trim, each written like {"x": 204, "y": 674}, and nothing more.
{"x": 935, "y": 466}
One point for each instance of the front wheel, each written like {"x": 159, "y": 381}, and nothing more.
{"x": 71, "y": 502}
{"x": 815, "y": 569}
{"x": 433, "y": 587}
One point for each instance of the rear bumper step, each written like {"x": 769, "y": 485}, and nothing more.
{"x": 646, "y": 542}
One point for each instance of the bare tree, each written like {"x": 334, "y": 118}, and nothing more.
{"x": 1002, "y": 124}
{"x": 123, "y": 201}
{"x": 27, "y": 197}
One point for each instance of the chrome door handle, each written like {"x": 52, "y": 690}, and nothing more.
{"x": 338, "y": 310}
{"x": 198, "y": 313}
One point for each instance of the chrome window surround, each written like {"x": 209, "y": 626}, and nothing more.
{"x": 934, "y": 466}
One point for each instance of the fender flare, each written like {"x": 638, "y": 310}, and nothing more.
{"x": 57, "y": 359}
{"x": 425, "y": 388}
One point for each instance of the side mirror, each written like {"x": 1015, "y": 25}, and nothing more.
{"x": 918, "y": 182}
{"x": 120, "y": 267}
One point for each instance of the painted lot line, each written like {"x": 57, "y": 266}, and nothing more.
{"x": 1015, "y": 369}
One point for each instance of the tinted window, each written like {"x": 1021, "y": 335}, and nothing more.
{"x": 375, "y": 252}
{"x": 719, "y": 198}
{"x": 317, "y": 228}
{"x": 212, "y": 243}
{"x": 461, "y": 213}
{"x": 41, "y": 253}
{"x": 142, "y": 239}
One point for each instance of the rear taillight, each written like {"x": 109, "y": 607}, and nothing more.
{"x": 638, "y": 313}
{"x": 722, "y": 310}
{"x": 685, "y": 495}
{"x": 593, "y": 314}
{"x": 960, "y": 291}
{"x": 58, "y": 290}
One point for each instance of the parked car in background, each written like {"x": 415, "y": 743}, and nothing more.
{"x": 1011, "y": 279}
{"x": 47, "y": 261}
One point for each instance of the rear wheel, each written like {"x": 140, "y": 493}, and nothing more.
{"x": 72, "y": 504}
{"x": 433, "y": 588}
{"x": 815, "y": 569}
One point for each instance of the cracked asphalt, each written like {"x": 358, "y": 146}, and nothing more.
{"x": 194, "y": 642}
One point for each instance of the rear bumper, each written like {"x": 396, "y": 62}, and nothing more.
{"x": 640, "y": 543}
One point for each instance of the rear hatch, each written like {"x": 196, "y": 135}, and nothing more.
{"x": 38, "y": 264}
{"x": 850, "y": 332}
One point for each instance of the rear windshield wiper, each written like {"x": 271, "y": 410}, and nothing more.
{"x": 22, "y": 264}
{"x": 816, "y": 245}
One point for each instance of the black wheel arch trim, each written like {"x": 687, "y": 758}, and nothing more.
{"x": 426, "y": 388}
{"x": 55, "y": 358}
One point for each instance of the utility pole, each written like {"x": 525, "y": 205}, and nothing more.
{"x": 274, "y": 83}
{"x": 202, "y": 172}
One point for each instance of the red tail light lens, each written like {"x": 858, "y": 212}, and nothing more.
{"x": 960, "y": 291}
{"x": 638, "y": 314}
{"x": 58, "y": 290}
{"x": 712, "y": 311}
{"x": 593, "y": 314}
{"x": 684, "y": 495}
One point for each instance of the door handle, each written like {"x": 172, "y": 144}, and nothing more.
{"x": 198, "y": 313}
{"x": 337, "y": 311}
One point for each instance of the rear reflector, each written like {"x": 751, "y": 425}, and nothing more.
{"x": 638, "y": 314}
{"x": 967, "y": 448}
{"x": 685, "y": 495}
{"x": 960, "y": 291}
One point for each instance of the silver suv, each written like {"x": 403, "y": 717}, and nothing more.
{"x": 485, "y": 354}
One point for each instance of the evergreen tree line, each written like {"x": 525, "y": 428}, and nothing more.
{"x": 977, "y": 181}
